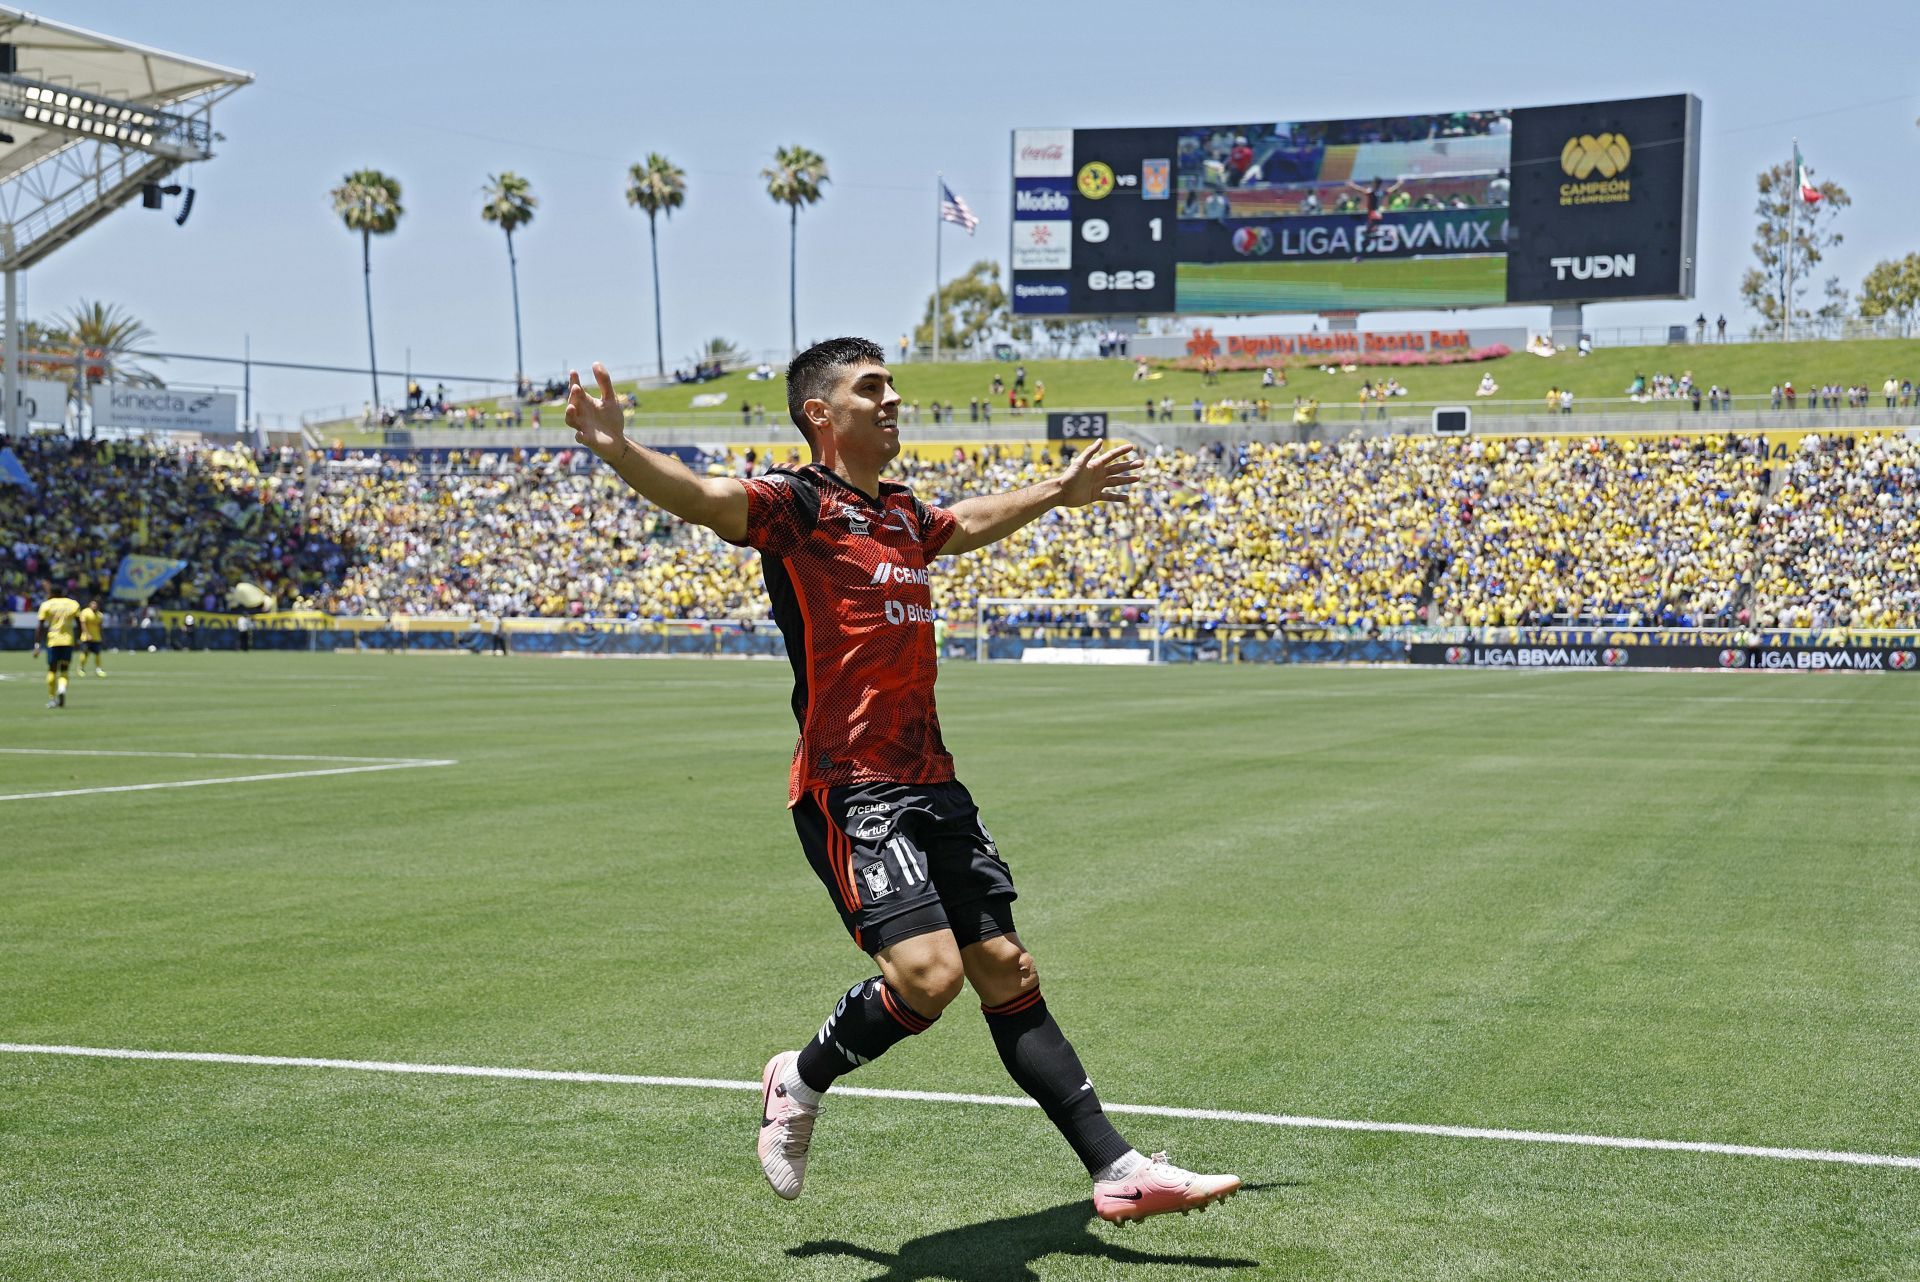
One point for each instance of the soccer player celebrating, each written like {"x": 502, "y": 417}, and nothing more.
{"x": 55, "y": 630}
{"x": 893, "y": 836}
{"x": 90, "y": 621}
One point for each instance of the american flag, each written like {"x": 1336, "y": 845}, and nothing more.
{"x": 954, "y": 210}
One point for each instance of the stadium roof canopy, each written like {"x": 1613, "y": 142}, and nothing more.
{"x": 87, "y": 121}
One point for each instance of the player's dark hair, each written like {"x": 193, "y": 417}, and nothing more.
{"x": 813, "y": 372}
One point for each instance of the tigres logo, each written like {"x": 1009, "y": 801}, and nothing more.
{"x": 1095, "y": 180}
{"x": 1586, "y": 155}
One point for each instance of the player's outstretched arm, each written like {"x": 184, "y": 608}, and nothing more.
{"x": 719, "y": 503}
{"x": 1101, "y": 473}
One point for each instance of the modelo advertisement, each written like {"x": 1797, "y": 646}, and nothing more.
{"x": 1748, "y": 658}
{"x": 1477, "y": 208}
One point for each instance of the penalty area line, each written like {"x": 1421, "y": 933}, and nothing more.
{"x": 1001, "y": 1101}
{"x": 208, "y": 783}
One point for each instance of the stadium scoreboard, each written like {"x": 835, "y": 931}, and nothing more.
{"x": 1585, "y": 202}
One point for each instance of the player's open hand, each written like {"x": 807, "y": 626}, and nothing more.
{"x": 1101, "y": 473}
{"x": 597, "y": 422}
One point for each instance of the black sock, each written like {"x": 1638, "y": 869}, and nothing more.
{"x": 869, "y": 1019}
{"x": 1041, "y": 1060}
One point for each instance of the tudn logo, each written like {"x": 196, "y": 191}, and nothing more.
{"x": 1096, "y": 180}
{"x": 1593, "y": 266}
{"x": 1586, "y": 155}
{"x": 1901, "y": 660}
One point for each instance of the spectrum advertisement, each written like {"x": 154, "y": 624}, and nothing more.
{"x": 1584, "y": 202}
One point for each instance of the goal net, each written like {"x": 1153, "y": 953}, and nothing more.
{"x": 1103, "y": 630}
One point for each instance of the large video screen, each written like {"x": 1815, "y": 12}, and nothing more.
{"x": 1578, "y": 203}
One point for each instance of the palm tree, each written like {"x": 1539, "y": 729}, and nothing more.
{"x": 510, "y": 202}
{"x": 655, "y": 185}
{"x": 106, "y": 335}
{"x": 368, "y": 202}
{"x": 794, "y": 179}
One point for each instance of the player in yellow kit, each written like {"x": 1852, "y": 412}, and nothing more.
{"x": 59, "y": 621}
{"x": 91, "y": 621}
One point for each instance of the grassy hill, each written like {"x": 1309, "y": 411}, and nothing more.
{"x": 1750, "y": 369}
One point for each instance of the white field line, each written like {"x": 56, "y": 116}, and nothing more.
{"x": 361, "y": 765}
{"x": 1003, "y": 1101}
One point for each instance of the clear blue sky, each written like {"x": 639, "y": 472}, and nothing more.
{"x": 442, "y": 94}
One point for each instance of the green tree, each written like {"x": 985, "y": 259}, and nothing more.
{"x": 1892, "y": 289}
{"x": 658, "y": 186}
{"x": 1764, "y": 287}
{"x": 723, "y": 350}
{"x": 971, "y": 307}
{"x": 510, "y": 203}
{"x": 794, "y": 179}
{"x": 107, "y": 335}
{"x": 42, "y": 345}
{"x": 368, "y": 202}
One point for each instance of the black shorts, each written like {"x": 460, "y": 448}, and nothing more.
{"x": 92, "y": 647}
{"x": 901, "y": 859}
{"x": 59, "y": 656}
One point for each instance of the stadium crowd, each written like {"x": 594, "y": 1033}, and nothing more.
{"x": 1362, "y": 533}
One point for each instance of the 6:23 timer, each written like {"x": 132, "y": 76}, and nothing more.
{"x": 1142, "y": 279}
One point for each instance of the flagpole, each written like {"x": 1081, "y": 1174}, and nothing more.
{"x": 939, "y": 190}
{"x": 1793, "y": 209}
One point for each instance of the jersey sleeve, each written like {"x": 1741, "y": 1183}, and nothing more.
{"x": 937, "y": 525}
{"x": 782, "y": 509}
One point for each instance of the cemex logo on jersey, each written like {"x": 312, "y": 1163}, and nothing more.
{"x": 887, "y": 573}
{"x": 1043, "y": 153}
{"x": 1593, "y": 267}
{"x": 1042, "y": 198}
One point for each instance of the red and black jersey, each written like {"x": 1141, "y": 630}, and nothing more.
{"x": 847, "y": 575}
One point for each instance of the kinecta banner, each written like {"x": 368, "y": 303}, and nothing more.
{"x": 1406, "y": 234}
{"x": 155, "y": 409}
{"x": 1766, "y": 658}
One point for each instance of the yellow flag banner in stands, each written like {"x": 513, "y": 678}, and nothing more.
{"x": 139, "y": 577}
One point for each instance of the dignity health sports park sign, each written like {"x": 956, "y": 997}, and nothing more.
{"x": 1326, "y": 346}
{"x": 157, "y": 409}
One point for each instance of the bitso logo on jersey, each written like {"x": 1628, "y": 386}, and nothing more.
{"x": 1585, "y": 156}
{"x": 1096, "y": 180}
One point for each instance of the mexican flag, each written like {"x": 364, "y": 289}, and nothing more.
{"x": 1809, "y": 194}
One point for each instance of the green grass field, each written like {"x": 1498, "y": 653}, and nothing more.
{"x": 1472, "y": 280}
{"x": 1749, "y": 368}
{"x": 1619, "y": 904}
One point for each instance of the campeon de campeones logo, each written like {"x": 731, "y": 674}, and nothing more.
{"x": 1585, "y": 156}
{"x": 1096, "y": 180}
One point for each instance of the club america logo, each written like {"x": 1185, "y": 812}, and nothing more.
{"x": 1614, "y": 657}
{"x": 1902, "y": 660}
{"x": 1458, "y": 654}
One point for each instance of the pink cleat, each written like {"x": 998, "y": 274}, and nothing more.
{"x": 786, "y": 1129}
{"x": 1158, "y": 1188}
